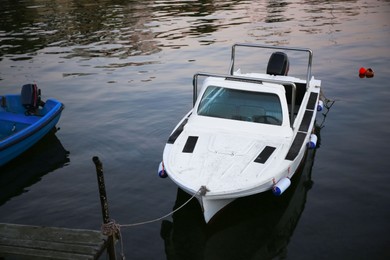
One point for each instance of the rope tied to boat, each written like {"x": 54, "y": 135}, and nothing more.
{"x": 113, "y": 229}
{"x": 202, "y": 191}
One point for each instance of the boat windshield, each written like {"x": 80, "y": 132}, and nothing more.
{"x": 241, "y": 105}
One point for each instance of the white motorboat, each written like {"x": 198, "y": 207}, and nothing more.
{"x": 246, "y": 133}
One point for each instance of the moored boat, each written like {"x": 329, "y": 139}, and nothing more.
{"x": 247, "y": 132}
{"x": 254, "y": 227}
{"x": 24, "y": 120}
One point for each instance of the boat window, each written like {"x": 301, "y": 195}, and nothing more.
{"x": 241, "y": 105}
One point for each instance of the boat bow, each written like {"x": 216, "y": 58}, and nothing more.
{"x": 227, "y": 163}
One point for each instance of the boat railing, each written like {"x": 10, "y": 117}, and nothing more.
{"x": 251, "y": 45}
{"x": 249, "y": 80}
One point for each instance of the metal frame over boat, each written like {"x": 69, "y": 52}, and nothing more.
{"x": 24, "y": 120}
{"x": 246, "y": 134}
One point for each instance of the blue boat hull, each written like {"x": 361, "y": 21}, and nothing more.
{"x": 18, "y": 131}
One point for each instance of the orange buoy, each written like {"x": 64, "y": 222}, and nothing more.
{"x": 362, "y": 72}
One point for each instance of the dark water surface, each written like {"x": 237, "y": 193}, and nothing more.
{"x": 123, "y": 69}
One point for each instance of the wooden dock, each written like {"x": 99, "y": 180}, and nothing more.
{"x": 38, "y": 242}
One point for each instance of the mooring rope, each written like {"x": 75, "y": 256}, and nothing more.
{"x": 202, "y": 190}
{"x": 113, "y": 229}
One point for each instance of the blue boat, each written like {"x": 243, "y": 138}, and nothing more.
{"x": 24, "y": 120}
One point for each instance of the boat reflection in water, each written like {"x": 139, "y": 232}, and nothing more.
{"x": 45, "y": 156}
{"x": 254, "y": 227}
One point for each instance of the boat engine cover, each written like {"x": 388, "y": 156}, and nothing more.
{"x": 30, "y": 96}
{"x": 278, "y": 64}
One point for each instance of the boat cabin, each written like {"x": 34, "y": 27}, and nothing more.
{"x": 242, "y": 105}
{"x": 237, "y": 102}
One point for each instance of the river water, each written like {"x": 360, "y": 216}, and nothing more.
{"x": 124, "y": 69}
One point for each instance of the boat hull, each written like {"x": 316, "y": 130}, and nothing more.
{"x": 211, "y": 205}
{"x": 16, "y": 143}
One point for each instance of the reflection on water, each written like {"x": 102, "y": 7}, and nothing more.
{"x": 44, "y": 157}
{"x": 122, "y": 29}
{"x": 104, "y": 36}
{"x": 255, "y": 227}
{"x": 85, "y": 29}
{"x": 115, "y": 29}
{"x": 87, "y": 38}
{"x": 123, "y": 68}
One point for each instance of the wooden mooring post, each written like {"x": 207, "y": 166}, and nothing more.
{"x": 104, "y": 204}
{"x": 41, "y": 242}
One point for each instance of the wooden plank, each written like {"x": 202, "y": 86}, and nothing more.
{"x": 50, "y": 242}
{"x": 49, "y": 233}
{"x": 53, "y": 246}
{"x": 33, "y": 253}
